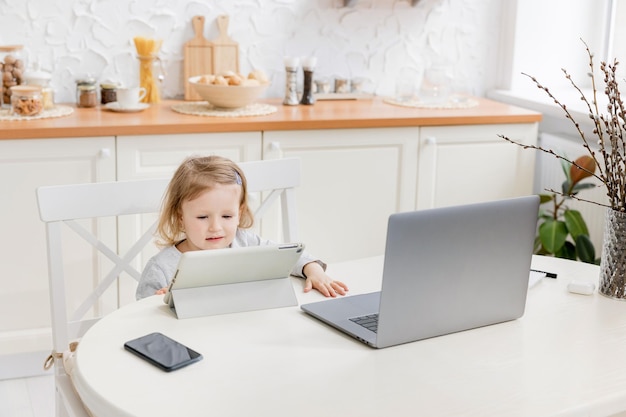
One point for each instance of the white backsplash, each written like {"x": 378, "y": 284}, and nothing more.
{"x": 374, "y": 39}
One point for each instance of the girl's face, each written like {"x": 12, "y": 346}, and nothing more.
{"x": 210, "y": 221}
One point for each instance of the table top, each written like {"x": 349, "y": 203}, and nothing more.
{"x": 160, "y": 119}
{"x": 563, "y": 357}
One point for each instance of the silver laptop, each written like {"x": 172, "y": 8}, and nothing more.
{"x": 445, "y": 270}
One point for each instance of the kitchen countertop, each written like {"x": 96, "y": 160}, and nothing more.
{"x": 328, "y": 114}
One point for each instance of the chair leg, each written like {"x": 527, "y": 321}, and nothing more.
{"x": 60, "y": 410}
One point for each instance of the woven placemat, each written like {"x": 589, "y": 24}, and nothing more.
{"x": 57, "y": 111}
{"x": 459, "y": 103}
{"x": 204, "y": 108}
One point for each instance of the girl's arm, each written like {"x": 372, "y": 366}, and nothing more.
{"x": 317, "y": 278}
{"x": 307, "y": 267}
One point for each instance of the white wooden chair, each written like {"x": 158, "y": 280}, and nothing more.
{"x": 70, "y": 205}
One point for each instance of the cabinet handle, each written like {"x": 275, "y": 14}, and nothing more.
{"x": 105, "y": 153}
{"x": 274, "y": 146}
{"x": 430, "y": 140}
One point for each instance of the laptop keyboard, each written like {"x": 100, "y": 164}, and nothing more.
{"x": 370, "y": 322}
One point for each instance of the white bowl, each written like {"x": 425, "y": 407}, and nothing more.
{"x": 227, "y": 96}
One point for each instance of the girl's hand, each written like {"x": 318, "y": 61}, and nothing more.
{"x": 161, "y": 291}
{"x": 317, "y": 278}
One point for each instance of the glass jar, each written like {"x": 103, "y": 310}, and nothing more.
{"x": 12, "y": 66}
{"x": 42, "y": 79}
{"x": 86, "y": 93}
{"x": 26, "y": 100}
{"x": 108, "y": 93}
{"x": 342, "y": 85}
{"x": 151, "y": 76}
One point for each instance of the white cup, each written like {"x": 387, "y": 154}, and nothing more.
{"x": 129, "y": 97}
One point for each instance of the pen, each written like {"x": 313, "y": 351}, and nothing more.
{"x": 548, "y": 274}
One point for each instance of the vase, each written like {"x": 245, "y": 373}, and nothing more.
{"x": 613, "y": 261}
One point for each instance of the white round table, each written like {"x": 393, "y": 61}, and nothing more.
{"x": 563, "y": 357}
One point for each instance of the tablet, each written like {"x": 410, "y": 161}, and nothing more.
{"x": 234, "y": 265}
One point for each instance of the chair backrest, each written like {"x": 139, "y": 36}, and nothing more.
{"x": 279, "y": 178}
{"x": 69, "y": 204}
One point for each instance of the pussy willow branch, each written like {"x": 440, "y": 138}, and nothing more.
{"x": 614, "y": 123}
{"x": 551, "y": 152}
{"x": 569, "y": 116}
{"x": 609, "y": 130}
{"x": 575, "y": 197}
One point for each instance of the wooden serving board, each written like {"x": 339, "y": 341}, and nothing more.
{"x": 198, "y": 57}
{"x": 225, "y": 50}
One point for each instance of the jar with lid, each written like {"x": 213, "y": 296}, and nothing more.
{"x": 26, "y": 100}
{"x": 41, "y": 78}
{"x": 12, "y": 65}
{"x": 108, "y": 92}
{"x": 86, "y": 93}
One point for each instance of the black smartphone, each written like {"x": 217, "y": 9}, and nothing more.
{"x": 163, "y": 352}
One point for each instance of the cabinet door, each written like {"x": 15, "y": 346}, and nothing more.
{"x": 352, "y": 180}
{"x": 25, "y": 308}
{"x": 158, "y": 157}
{"x": 468, "y": 164}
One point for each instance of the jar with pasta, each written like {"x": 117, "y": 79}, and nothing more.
{"x": 151, "y": 72}
{"x": 12, "y": 65}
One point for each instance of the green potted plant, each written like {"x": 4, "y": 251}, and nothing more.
{"x": 562, "y": 231}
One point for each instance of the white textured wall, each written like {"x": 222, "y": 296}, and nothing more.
{"x": 372, "y": 39}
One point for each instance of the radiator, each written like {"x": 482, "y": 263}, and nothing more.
{"x": 549, "y": 174}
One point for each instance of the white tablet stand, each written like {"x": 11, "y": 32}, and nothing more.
{"x": 233, "y": 298}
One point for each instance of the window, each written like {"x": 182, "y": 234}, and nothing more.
{"x": 546, "y": 36}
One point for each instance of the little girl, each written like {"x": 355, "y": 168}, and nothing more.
{"x": 206, "y": 207}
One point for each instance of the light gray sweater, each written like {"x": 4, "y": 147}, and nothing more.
{"x": 161, "y": 268}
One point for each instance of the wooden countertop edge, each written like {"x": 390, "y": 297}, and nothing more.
{"x": 161, "y": 119}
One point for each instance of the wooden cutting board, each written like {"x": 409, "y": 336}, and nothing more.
{"x": 198, "y": 57}
{"x": 225, "y": 50}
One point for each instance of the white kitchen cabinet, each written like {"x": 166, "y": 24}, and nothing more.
{"x": 152, "y": 156}
{"x": 352, "y": 179}
{"x": 469, "y": 164}
{"x": 25, "y": 310}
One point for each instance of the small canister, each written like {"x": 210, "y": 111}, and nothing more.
{"x": 42, "y": 79}
{"x": 86, "y": 93}
{"x": 108, "y": 93}
{"x": 26, "y": 100}
{"x": 323, "y": 86}
{"x": 342, "y": 85}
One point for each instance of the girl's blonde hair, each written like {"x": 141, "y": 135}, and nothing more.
{"x": 194, "y": 176}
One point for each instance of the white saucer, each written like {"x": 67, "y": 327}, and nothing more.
{"x": 115, "y": 106}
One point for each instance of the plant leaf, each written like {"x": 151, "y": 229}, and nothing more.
{"x": 565, "y": 187}
{"x": 575, "y": 223}
{"x": 544, "y": 198}
{"x": 553, "y": 234}
{"x": 576, "y": 174}
{"x": 568, "y": 251}
{"x": 545, "y": 215}
{"x": 538, "y": 248}
{"x": 585, "y": 250}
{"x": 582, "y": 186}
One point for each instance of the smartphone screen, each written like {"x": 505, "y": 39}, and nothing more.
{"x": 163, "y": 352}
